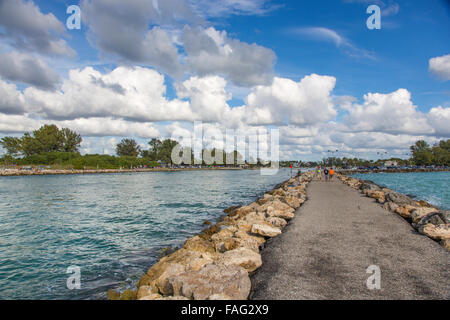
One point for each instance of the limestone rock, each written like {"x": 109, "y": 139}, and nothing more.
{"x": 446, "y": 244}
{"x": 423, "y": 203}
{"x": 232, "y": 281}
{"x": 227, "y": 244}
{"x": 278, "y": 205}
{"x": 113, "y": 294}
{"x": 265, "y": 230}
{"x": 433, "y": 218}
{"x": 399, "y": 199}
{"x": 405, "y": 211}
{"x": 445, "y": 215}
{"x": 281, "y": 214}
{"x": 199, "y": 263}
{"x": 277, "y": 222}
{"x": 219, "y": 296}
{"x": 369, "y": 185}
{"x": 198, "y": 244}
{"x": 153, "y": 296}
{"x": 242, "y": 211}
{"x": 173, "y": 298}
{"x": 144, "y": 291}
{"x": 162, "y": 283}
{"x": 249, "y": 241}
{"x": 421, "y": 212}
{"x": 292, "y": 202}
{"x": 378, "y": 195}
{"x": 223, "y": 235}
{"x": 182, "y": 256}
{"x": 391, "y": 206}
{"x": 441, "y": 232}
{"x": 243, "y": 257}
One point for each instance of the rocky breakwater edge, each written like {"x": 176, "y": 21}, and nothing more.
{"x": 217, "y": 263}
{"x": 423, "y": 217}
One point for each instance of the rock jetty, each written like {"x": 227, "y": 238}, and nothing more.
{"x": 216, "y": 264}
{"x": 425, "y": 218}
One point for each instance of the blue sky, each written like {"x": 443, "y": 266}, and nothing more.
{"x": 310, "y": 68}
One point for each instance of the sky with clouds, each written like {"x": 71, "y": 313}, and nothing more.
{"x": 150, "y": 68}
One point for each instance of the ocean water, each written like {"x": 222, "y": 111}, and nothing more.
{"x": 433, "y": 187}
{"x": 111, "y": 226}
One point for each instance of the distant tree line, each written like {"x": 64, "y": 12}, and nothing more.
{"x": 50, "y": 145}
{"x": 423, "y": 154}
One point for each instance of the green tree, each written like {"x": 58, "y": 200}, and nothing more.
{"x": 421, "y": 153}
{"x": 152, "y": 153}
{"x": 165, "y": 152}
{"x": 48, "y": 138}
{"x": 12, "y": 145}
{"x": 128, "y": 147}
{"x": 441, "y": 153}
{"x": 71, "y": 140}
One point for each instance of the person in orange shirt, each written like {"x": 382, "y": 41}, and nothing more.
{"x": 331, "y": 174}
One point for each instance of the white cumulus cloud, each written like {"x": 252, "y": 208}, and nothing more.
{"x": 440, "y": 67}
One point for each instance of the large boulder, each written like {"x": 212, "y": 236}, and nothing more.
{"x": 405, "y": 211}
{"x": 433, "y": 218}
{"x": 198, "y": 244}
{"x": 278, "y": 205}
{"x": 440, "y": 232}
{"x": 292, "y": 201}
{"x": 243, "y": 257}
{"x": 223, "y": 235}
{"x": 199, "y": 263}
{"x": 144, "y": 291}
{"x": 230, "y": 280}
{"x": 277, "y": 222}
{"x": 242, "y": 211}
{"x": 153, "y": 296}
{"x": 399, "y": 199}
{"x": 182, "y": 256}
{"x": 162, "y": 283}
{"x": 390, "y": 206}
{"x": 248, "y": 241}
{"x": 376, "y": 194}
{"x": 265, "y": 230}
{"x": 446, "y": 244}
{"x": 418, "y": 213}
{"x": 219, "y": 296}
{"x": 445, "y": 215}
{"x": 287, "y": 215}
{"x": 227, "y": 244}
{"x": 173, "y": 298}
{"x": 370, "y": 185}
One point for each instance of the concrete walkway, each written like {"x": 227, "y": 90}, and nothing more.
{"x": 336, "y": 235}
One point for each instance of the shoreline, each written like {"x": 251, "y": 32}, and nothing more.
{"x": 17, "y": 173}
{"x": 217, "y": 263}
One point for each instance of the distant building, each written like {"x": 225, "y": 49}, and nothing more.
{"x": 390, "y": 163}
{"x": 162, "y": 164}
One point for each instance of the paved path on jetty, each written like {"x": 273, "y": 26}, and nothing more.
{"x": 335, "y": 236}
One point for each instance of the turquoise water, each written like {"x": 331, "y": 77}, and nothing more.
{"x": 433, "y": 187}
{"x": 112, "y": 226}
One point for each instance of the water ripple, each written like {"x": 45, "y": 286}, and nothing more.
{"x": 112, "y": 226}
